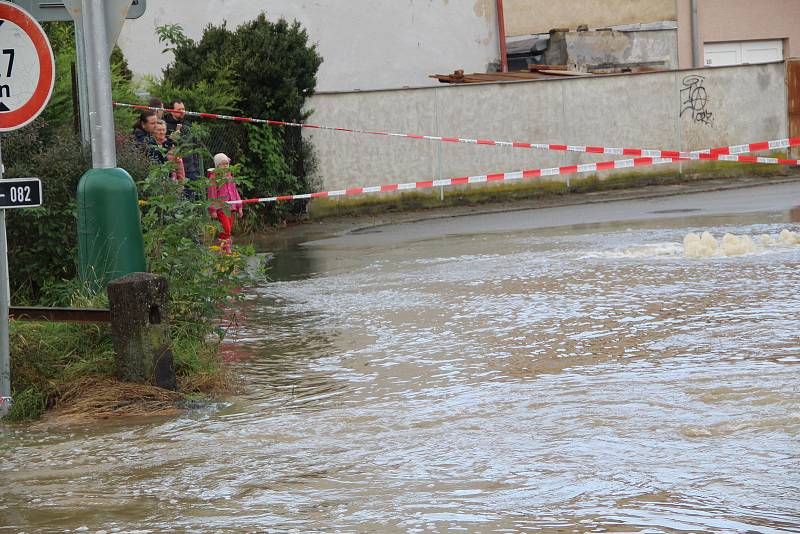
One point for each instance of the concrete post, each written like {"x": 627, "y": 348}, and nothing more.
{"x": 140, "y": 329}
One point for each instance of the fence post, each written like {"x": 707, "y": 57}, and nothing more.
{"x": 140, "y": 329}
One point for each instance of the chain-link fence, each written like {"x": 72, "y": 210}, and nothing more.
{"x": 208, "y": 137}
{"x": 216, "y": 136}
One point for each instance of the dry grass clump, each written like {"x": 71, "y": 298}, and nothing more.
{"x": 98, "y": 397}
{"x": 101, "y": 397}
{"x": 216, "y": 383}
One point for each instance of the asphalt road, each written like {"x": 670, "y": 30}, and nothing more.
{"x": 768, "y": 198}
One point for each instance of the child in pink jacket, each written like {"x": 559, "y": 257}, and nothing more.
{"x": 222, "y": 189}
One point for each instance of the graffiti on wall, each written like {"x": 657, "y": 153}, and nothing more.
{"x": 694, "y": 98}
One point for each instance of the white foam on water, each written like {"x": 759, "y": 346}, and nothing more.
{"x": 700, "y": 246}
{"x": 707, "y": 246}
{"x": 647, "y": 251}
{"x": 790, "y": 238}
{"x": 735, "y": 245}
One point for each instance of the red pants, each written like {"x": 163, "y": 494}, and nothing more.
{"x": 225, "y": 235}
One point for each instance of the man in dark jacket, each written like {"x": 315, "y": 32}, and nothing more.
{"x": 144, "y": 127}
{"x": 177, "y": 122}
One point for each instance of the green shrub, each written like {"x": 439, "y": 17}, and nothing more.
{"x": 178, "y": 237}
{"x": 267, "y": 173}
{"x": 42, "y": 241}
{"x": 274, "y": 65}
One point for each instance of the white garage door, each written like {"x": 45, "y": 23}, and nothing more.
{"x": 739, "y": 52}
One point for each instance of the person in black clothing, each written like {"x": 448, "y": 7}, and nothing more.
{"x": 177, "y": 123}
{"x": 176, "y": 119}
{"x": 144, "y": 127}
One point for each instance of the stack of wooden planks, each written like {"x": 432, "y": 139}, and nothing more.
{"x": 535, "y": 72}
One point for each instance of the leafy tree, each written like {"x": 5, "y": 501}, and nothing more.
{"x": 274, "y": 65}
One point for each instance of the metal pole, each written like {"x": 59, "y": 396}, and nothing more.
{"x": 76, "y": 101}
{"x": 98, "y": 70}
{"x": 501, "y": 30}
{"x": 83, "y": 84}
{"x": 696, "y": 44}
{"x": 5, "y": 354}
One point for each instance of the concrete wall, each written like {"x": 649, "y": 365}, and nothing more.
{"x": 666, "y": 110}
{"x": 585, "y": 51}
{"x": 366, "y": 44}
{"x": 525, "y": 17}
{"x": 739, "y": 20}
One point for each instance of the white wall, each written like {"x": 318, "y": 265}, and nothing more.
{"x": 742, "y": 104}
{"x": 366, "y": 44}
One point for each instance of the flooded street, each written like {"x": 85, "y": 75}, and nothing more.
{"x": 496, "y": 373}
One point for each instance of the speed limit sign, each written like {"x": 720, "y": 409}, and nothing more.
{"x": 27, "y": 68}
{"x": 27, "y": 73}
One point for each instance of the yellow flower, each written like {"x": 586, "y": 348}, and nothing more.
{"x": 142, "y": 202}
{"x": 215, "y": 248}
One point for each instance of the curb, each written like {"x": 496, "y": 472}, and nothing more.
{"x": 641, "y": 195}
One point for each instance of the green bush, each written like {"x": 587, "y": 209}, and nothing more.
{"x": 42, "y": 241}
{"x": 178, "y": 237}
{"x": 272, "y": 68}
{"x": 267, "y": 170}
{"x": 274, "y": 65}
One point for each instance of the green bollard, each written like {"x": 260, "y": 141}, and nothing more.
{"x": 110, "y": 242}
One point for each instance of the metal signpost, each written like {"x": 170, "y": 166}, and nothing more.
{"x": 110, "y": 241}
{"x": 98, "y": 24}
{"x": 116, "y": 11}
{"x": 57, "y": 12}
{"x": 27, "y": 74}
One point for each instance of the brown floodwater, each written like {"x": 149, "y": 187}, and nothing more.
{"x": 572, "y": 379}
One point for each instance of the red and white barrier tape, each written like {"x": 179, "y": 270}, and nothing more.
{"x": 499, "y": 177}
{"x": 535, "y": 173}
{"x": 636, "y": 152}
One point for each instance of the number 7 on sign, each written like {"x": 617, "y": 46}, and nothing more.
{"x": 9, "y": 52}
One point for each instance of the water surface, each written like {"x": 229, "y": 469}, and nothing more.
{"x": 572, "y": 379}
